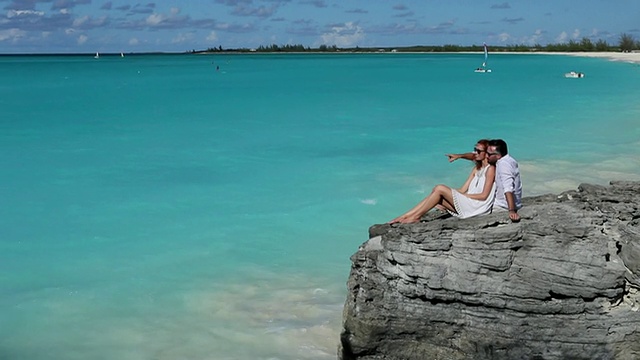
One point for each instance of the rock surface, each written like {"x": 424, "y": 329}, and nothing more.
{"x": 560, "y": 284}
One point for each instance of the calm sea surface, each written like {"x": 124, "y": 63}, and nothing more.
{"x": 153, "y": 207}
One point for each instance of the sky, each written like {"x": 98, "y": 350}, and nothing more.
{"x": 87, "y": 26}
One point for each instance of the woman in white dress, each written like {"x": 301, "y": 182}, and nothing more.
{"x": 474, "y": 198}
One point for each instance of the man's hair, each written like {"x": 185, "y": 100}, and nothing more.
{"x": 500, "y": 145}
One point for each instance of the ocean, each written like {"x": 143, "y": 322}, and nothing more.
{"x": 206, "y": 206}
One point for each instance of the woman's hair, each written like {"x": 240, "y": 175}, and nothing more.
{"x": 485, "y": 143}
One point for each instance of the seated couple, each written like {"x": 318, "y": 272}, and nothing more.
{"x": 493, "y": 185}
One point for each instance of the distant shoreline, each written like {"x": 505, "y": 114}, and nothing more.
{"x": 629, "y": 57}
{"x": 632, "y": 57}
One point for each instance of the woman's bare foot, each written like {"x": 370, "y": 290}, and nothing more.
{"x": 399, "y": 219}
{"x": 409, "y": 220}
{"x": 396, "y": 220}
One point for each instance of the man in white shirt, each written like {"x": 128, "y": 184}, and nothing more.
{"x": 508, "y": 183}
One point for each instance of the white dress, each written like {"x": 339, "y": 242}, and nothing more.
{"x": 466, "y": 207}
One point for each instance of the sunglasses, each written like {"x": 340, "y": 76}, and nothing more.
{"x": 491, "y": 154}
{"x": 476, "y": 150}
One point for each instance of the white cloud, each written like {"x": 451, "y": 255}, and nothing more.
{"x": 12, "y": 34}
{"x": 64, "y": 11}
{"x": 504, "y": 37}
{"x": 14, "y": 13}
{"x": 82, "y": 39}
{"x": 180, "y": 38}
{"x": 69, "y": 31}
{"x": 81, "y": 20}
{"x": 133, "y": 41}
{"x": 562, "y": 38}
{"x": 154, "y": 19}
{"x": 342, "y": 36}
{"x": 212, "y": 36}
{"x": 576, "y": 34}
{"x": 535, "y": 38}
{"x": 174, "y": 11}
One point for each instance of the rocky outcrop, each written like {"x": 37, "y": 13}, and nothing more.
{"x": 561, "y": 284}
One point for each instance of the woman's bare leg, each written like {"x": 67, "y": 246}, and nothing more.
{"x": 440, "y": 195}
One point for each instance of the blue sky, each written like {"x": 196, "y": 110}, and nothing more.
{"x": 85, "y": 26}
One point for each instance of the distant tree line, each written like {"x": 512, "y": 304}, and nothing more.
{"x": 626, "y": 43}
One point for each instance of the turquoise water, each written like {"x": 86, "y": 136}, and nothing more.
{"x": 155, "y": 208}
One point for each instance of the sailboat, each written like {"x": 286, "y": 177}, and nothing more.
{"x": 97, "y": 56}
{"x": 121, "y": 54}
{"x": 483, "y": 68}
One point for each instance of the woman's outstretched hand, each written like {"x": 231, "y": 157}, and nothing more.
{"x": 452, "y": 157}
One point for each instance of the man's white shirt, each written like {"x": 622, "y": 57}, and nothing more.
{"x": 508, "y": 180}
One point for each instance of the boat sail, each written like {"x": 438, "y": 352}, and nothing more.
{"x": 97, "y": 56}
{"x": 486, "y": 55}
{"x": 484, "y": 63}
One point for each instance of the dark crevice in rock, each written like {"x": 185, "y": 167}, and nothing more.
{"x": 436, "y": 302}
{"x": 557, "y": 296}
{"x": 348, "y": 352}
{"x": 617, "y": 300}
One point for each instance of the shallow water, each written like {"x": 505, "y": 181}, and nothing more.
{"x": 154, "y": 207}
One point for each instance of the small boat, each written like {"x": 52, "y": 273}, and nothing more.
{"x": 121, "y": 54}
{"x": 574, "y": 75}
{"x": 483, "y": 68}
{"x": 97, "y": 56}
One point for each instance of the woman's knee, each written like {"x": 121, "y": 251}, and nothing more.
{"x": 440, "y": 189}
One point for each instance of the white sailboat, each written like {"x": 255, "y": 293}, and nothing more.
{"x": 97, "y": 56}
{"x": 121, "y": 54}
{"x": 483, "y": 68}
